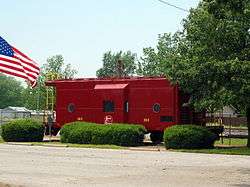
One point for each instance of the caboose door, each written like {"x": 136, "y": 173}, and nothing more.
{"x": 113, "y": 97}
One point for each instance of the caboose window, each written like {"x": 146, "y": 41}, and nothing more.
{"x": 126, "y": 106}
{"x": 156, "y": 107}
{"x": 108, "y": 106}
{"x": 71, "y": 108}
{"x": 166, "y": 119}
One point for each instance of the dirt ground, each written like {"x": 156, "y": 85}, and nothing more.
{"x": 51, "y": 166}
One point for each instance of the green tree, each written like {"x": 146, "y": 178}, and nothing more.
{"x": 162, "y": 60}
{"x": 111, "y": 67}
{"x": 232, "y": 18}
{"x": 210, "y": 57}
{"x": 35, "y": 98}
{"x": 215, "y": 61}
{"x": 10, "y": 90}
{"x": 54, "y": 68}
{"x": 217, "y": 40}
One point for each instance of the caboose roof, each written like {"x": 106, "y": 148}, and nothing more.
{"x": 106, "y": 80}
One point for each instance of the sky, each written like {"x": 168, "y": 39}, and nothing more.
{"x": 83, "y": 30}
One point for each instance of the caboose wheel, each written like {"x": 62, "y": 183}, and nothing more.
{"x": 156, "y": 137}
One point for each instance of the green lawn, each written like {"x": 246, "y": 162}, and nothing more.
{"x": 243, "y": 127}
{"x": 220, "y": 150}
{"x": 59, "y": 144}
{"x": 235, "y": 147}
{"x": 231, "y": 142}
{"x": 78, "y": 145}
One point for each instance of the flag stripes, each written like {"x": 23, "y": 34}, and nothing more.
{"x": 17, "y": 64}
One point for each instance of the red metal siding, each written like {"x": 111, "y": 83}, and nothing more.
{"x": 88, "y": 95}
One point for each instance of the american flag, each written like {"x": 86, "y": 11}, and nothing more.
{"x": 15, "y": 63}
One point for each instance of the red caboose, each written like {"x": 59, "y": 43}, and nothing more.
{"x": 152, "y": 102}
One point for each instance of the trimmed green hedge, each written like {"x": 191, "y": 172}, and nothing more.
{"x": 91, "y": 133}
{"x": 22, "y": 130}
{"x": 188, "y": 137}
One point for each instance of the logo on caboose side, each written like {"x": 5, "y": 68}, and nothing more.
{"x": 108, "y": 119}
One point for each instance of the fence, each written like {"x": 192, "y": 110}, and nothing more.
{"x": 234, "y": 127}
{"x": 8, "y": 116}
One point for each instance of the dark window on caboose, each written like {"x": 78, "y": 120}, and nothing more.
{"x": 166, "y": 119}
{"x": 156, "y": 108}
{"x": 71, "y": 107}
{"x": 108, "y": 106}
{"x": 126, "y": 106}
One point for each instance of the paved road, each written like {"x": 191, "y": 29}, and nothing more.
{"x": 48, "y": 166}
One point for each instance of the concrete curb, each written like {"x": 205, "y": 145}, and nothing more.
{"x": 19, "y": 143}
{"x": 158, "y": 149}
{"x": 34, "y": 144}
{"x": 145, "y": 149}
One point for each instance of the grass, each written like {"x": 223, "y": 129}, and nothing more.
{"x": 59, "y": 144}
{"x": 78, "y": 145}
{"x": 231, "y": 142}
{"x": 235, "y": 127}
{"x": 220, "y": 150}
{"x": 237, "y": 147}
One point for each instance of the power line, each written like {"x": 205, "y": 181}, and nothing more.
{"x": 182, "y": 9}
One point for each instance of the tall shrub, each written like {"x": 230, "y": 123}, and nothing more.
{"x": 188, "y": 137}
{"x": 23, "y": 130}
{"x": 90, "y": 133}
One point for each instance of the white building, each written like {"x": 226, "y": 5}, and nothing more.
{"x": 10, "y": 113}
{"x": 227, "y": 111}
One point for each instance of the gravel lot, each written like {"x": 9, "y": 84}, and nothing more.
{"x": 50, "y": 166}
